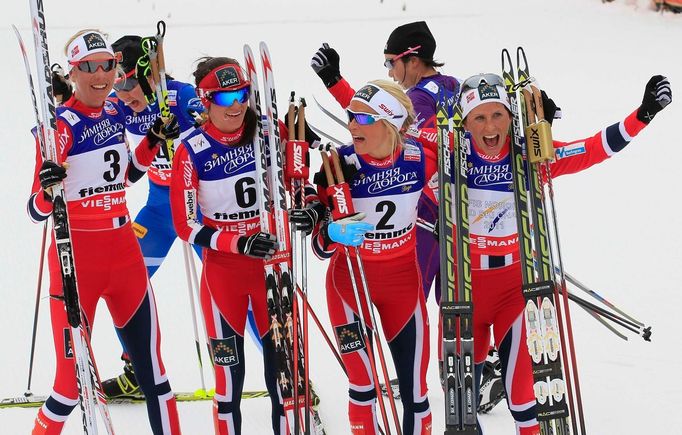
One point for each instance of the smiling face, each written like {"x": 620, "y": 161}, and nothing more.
{"x": 135, "y": 97}
{"x": 489, "y": 125}
{"x": 228, "y": 119}
{"x": 373, "y": 139}
{"x": 93, "y": 88}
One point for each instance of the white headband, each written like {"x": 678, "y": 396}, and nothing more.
{"x": 473, "y": 98}
{"x": 87, "y": 44}
{"x": 382, "y": 103}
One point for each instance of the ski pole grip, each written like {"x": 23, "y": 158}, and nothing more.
{"x": 297, "y": 159}
{"x": 539, "y": 140}
{"x": 342, "y": 204}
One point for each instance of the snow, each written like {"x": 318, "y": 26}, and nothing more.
{"x": 620, "y": 222}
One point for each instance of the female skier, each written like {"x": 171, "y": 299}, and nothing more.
{"x": 97, "y": 166}
{"x": 391, "y": 171}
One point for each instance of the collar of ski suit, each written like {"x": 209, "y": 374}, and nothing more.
{"x": 386, "y": 161}
{"x": 79, "y": 106}
{"x": 222, "y": 137}
{"x": 496, "y": 158}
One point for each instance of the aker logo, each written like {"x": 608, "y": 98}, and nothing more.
{"x": 224, "y": 351}
{"x": 488, "y": 92}
{"x": 94, "y": 41}
{"x": 366, "y": 93}
{"x": 68, "y": 348}
{"x": 227, "y": 77}
{"x": 139, "y": 230}
{"x": 349, "y": 338}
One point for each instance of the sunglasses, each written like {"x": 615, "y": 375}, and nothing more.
{"x": 125, "y": 84}
{"x": 227, "y": 98}
{"x": 91, "y": 66}
{"x": 367, "y": 118}
{"x": 390, "y": 63}
{"x": 474, "y": 82}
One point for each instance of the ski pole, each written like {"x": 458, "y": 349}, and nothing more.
{"x": 186, "y": 253}
{"x": 41, "y": 142}
{"x": 35, "y": 311}
{"x": 370, "y": 308}
{"x": 361, "y": 316}
{"x": 316, "y": 319}
{"x": 600, "y": 298}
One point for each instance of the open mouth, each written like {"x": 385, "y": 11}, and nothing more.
{"x": 491, "y": 140}
{"x": 232, "y": 115}
{"x": 358, "y": 140}
{"x": 99, "y": 87}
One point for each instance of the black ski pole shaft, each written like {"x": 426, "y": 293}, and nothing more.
{"x": 36, "y": 310}
{"x": 604, "y": 323}
{"x": 604, "y": 313}
{"x": 600, "y": 298}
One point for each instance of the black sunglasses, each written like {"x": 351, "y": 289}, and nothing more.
{"x": 91, "y": 66}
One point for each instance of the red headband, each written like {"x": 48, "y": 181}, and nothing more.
{"x": 224, "y": 77}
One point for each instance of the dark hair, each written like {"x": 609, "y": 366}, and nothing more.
{"x": 427, "y": 62}
{"x": 207, "y": 64}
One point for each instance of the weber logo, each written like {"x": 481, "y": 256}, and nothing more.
{"x": 227, "y": 77}
{"x": 349, "y": 338}
{"x": 488, "y": 92}
{"x": 94, "y": 41}
{"x": 366, "y": 93}
{"x": 224, "y": 351}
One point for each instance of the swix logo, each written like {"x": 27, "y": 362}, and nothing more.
{"x": 187, "y": 172}
{"x": 534, "y": 141}
{"x": 299, "y": 164}
{"x": 340, "y": 200}
{"x": 388, "y": 111}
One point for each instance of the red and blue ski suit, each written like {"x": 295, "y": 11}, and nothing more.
{"x": 388, "y": 192}
{"x": 108, "y": 261}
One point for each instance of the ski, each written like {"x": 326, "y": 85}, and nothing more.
{"x": 272, "y": 212}
{"x": 455, "y": 305}
{"x": 539, "y": 290}
{"x": 90, "y": 394}
{"x": 134, "y": 399}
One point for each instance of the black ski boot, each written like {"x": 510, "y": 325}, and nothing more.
{"x": 124, "y": 385}
{"x": 492, "y": 389}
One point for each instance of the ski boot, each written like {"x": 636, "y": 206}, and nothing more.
{"x": 492, "y": 390}
{"x": 124, "y": 385}
{"x": 394, "y": 387}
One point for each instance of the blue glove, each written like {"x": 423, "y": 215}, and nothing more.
{"x": 349, "y": 231}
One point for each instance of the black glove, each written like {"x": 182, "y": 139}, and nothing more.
{"x": 259, "y": 245}
{"x": 552, "y": 112}
{"x": 61, "y": 86}
{"x": 310, "y": 136}
{"x": 325, "y": 63}
{"x": 163, "y": 130}
{"x": 49, "y": 175}
{"x": 305, "y": 219}
{"x": 657, "y": 95}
